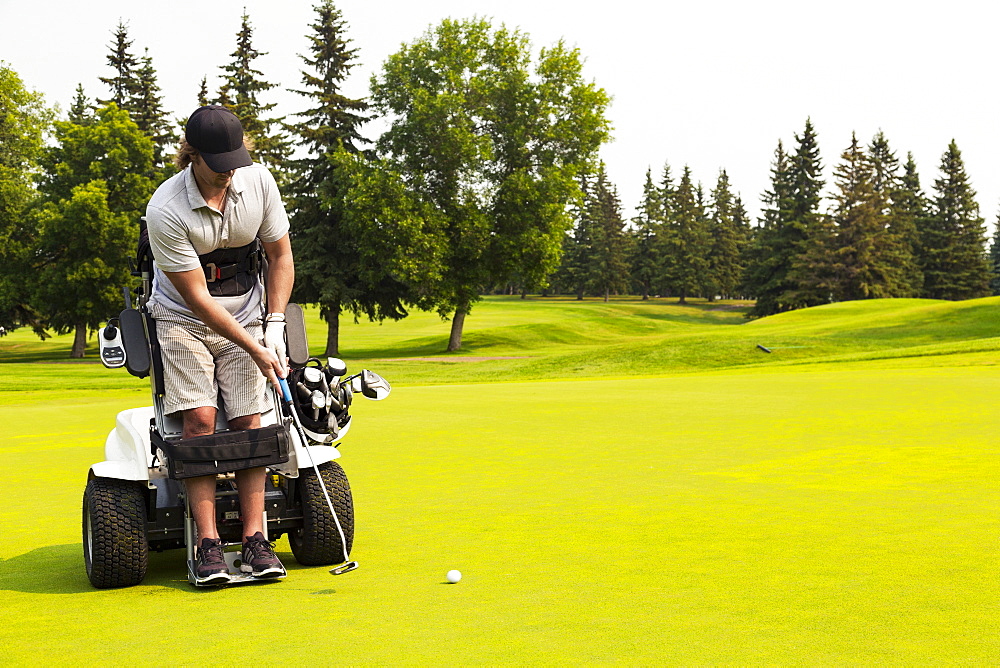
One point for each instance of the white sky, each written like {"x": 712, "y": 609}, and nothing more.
{"x": 710, "y": 84}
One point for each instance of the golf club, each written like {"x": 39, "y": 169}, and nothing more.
{"x": 286, "y": 395}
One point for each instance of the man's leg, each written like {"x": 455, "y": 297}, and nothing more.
{"x": 250, "y": 483}
{"x": 201, "y": 491}
{"x": 210, "y": 567}
{"x": 258, "y": 554}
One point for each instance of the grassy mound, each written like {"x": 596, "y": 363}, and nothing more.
{"x": 509, "y": 338}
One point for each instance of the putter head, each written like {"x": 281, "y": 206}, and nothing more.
{"x": 346, "y": 568}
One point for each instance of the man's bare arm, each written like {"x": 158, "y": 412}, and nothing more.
{"x": 280, "y": 274}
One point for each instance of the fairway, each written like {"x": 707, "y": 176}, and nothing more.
{"x": 839, "y": 511}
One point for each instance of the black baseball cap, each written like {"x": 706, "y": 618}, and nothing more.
{"x": 218, "y": 135}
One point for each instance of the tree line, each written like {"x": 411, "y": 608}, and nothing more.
{"x": 880, "y": 236}
{"x": 487, "y": 178}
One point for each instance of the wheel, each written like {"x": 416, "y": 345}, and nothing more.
{"x": 318, "y": 542}
{"x": 115, "y": 551}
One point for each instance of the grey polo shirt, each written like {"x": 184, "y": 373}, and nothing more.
{"x": 182, "y": 226}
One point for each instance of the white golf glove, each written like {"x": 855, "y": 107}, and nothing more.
{"x": 274, "y": 337}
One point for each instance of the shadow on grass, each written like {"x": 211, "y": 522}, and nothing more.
{"x": 59, "y": 569}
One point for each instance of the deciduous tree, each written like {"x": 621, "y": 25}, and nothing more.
{"x": 494, "y": 145}
{"x": 96, "y": 184}
{"x": 24, "y": 119}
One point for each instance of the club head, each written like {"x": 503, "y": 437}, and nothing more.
{"x": 335, "y": 367}
{"x": 346, "y": 568}
{"x": 374, "y": 386}
{"x": 312, "y": 377}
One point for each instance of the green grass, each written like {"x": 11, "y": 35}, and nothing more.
{"x": 539, "y": 339}
{"x": 706, "y": 503}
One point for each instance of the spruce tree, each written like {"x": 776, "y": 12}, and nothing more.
{"x": 644, "y": 259}
{"x": 896, "y": 199}
{"x": 577, "y": 244}
{"x": 995, "y": 259}
{"x": 909, "y": 214}
{"x": 774, "y": 242}
{"x": 327, "y": 254}
{"x": 725, "y": 258}
{"x": 608, "y": 265}
{"x": 80, "y": 110}
{"x": 666, "y": 189}
{"x": 124, "y": 64}
{"x": 203, "y": 92}
{"x": 864, "y": 256}
{"x": 741, "y": 220}
{"x": 241, "y": 92}
{"x": 148, "y": 113}
{"x": 953, "y": 237}
{"x": 687, "y": 240}
{"x": 806, "y": 221}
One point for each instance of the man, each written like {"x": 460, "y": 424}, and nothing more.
{"x": 209, "y": 321}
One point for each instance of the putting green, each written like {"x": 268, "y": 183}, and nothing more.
{"x": 821, "y": 516}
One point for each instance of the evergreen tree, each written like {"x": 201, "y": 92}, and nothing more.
{"x": 865, "y": 256}
{"x": 663, "y": 247}
{"x": 326, "y": 252}
{"x": 577, "y": 245}
{"x": 146, "y": 109}
{"x": 688, "y": 241}
{"x": 805, "y": 170}
{"x": 645, "y": 260}
{"x": 124, "y": 64}
{"x": 741, "y": 220}
{"x": 995, "y": 259}
{"x": 774, "y": 243}
{"x": 608, "y": 266}
{"x": 80, "y": 110}
{"x": 806, "y": 221}
{"x": 725, "y": 259}
{"x": 203, "y": 92}
{"x": 909, "y": 216}
{"x": 900, "y": 204}
{"x": 953, "y": 236}
{"x": 241, "y": 92}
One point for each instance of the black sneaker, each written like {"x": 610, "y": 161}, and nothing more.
{"x": 210, "y": 566}
{"x": 259, "y": 559}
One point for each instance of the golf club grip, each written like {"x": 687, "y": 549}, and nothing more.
{"x": 286, "y": 394}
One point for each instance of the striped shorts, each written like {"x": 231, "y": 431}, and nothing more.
{"x": 199, "y": 365}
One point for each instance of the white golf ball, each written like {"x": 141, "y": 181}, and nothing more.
{"x": 454, "y": 576}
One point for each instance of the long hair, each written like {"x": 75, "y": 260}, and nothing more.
{"x": 186, "y": 153}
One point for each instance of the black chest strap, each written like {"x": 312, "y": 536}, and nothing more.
{"x": 231, "y": 272}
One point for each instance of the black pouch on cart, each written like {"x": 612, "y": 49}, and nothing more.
{"x": 223, "y": 452}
